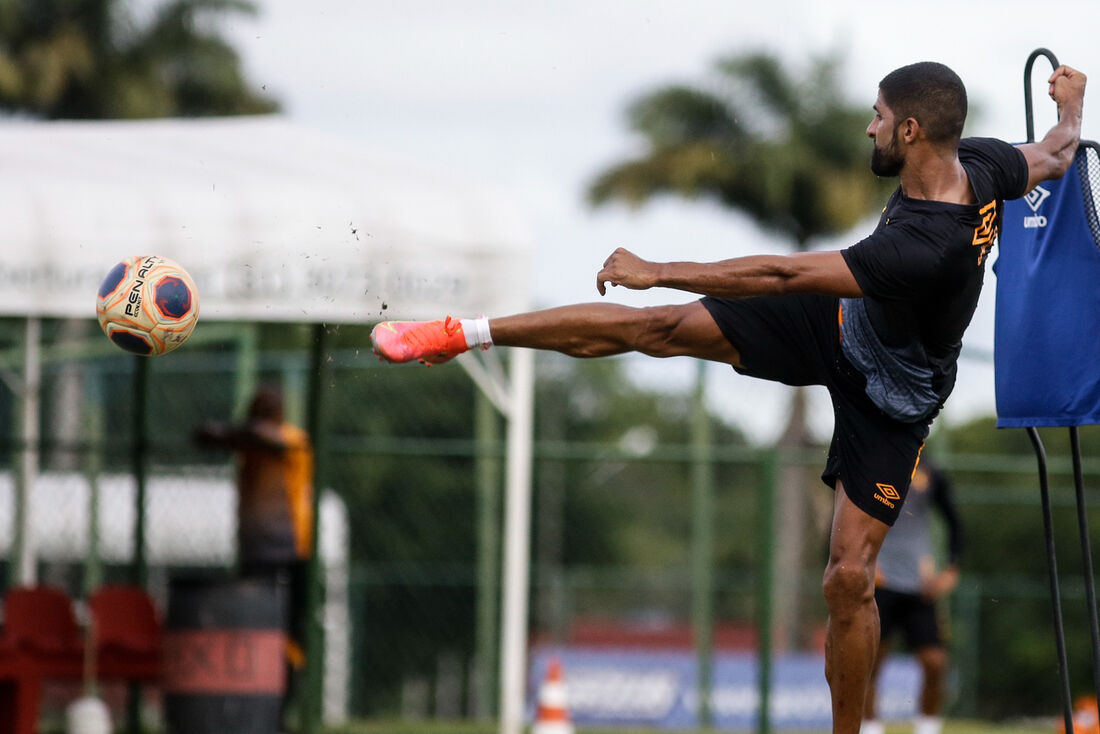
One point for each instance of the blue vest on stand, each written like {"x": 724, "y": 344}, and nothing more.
{"x": 1047, "y": 333}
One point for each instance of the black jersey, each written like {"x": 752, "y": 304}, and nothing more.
{"x": 921, "y": 273}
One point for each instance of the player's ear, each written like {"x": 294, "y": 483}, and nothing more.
{"x": 909, "y": 130}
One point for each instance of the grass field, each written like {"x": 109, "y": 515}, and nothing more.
{"x": 464, "y": 727}
{"x": 454, "y": 727}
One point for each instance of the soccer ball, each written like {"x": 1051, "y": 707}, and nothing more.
{"x": 147, "y": 305}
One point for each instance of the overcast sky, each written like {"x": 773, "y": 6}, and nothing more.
{"x": 527, "y": 98}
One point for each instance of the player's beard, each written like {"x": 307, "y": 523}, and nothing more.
{"x": 887, "y": 161}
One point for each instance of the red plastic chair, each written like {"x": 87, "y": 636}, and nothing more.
{"x": 41, "y": 640}
{"x": 127, "y": 630}
{"x": 40, "y": 620}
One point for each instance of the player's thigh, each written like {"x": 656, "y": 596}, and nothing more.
{"x": 855, "y": 539}
{"x": 687, "y": 330}
{"x": 793, "y": 338}
{"x": 873, "y": 455}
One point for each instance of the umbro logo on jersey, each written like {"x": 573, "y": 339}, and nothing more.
{"x": 986, "y": 232}
{"x": 1035, "y": 199}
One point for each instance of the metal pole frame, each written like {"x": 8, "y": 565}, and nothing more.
{"x": 1028, "y": 106}
{"x": 312, "y": 690}
{"x": 24, "y": 566}
{"x": 1078, "y": 482}
{"x": 768, "y": 486}
{"x": 139, "y": 462}
{"x": 488, "y": 482}
{"x": 1086, "y": 555}
{"x": 1052, "y": 572}
{"x": 702, "y": 549}
{"x": 513, "y": 395}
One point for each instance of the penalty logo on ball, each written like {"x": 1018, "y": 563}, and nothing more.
{"x": 147, "y": 305}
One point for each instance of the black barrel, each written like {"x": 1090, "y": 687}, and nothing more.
{"x": 224, "y": 656}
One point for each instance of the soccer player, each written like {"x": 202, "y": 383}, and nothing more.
{"x": 907, "y": 587}
{"x": 879, "y": 324}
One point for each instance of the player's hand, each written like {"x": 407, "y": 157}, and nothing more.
{"x": 628, "y": 270}
{"x": 208, "y": 434}
{"x": 942, "y": 583}
{"x": 1067, "y": 85}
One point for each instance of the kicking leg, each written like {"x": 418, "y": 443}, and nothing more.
{"x": 604, "y": 329}
{"x": 584, "y": 330}
{"x": 852, "y": 634}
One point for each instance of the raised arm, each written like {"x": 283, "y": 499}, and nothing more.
{"x": 1052, "y": 156}
{"x": 756, "y": 275}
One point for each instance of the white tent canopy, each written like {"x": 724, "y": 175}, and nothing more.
{"x": 275, "y": 224}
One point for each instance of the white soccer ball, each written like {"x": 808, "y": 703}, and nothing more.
{"x": 147, "y": 305}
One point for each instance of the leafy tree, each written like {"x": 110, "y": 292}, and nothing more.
{"x": 91, "y": 59}
{"x": 788, "y": 151}
{"x": 785, "y": 150}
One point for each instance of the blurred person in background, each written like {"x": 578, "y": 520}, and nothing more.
{"x": 908, "y": 587}
{"x": 274, "y": 507}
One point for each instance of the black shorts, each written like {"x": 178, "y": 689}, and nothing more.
{"x": 795, "y": 339}
{"x": 911, "y": 613}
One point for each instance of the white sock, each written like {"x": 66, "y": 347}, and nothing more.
{"x": 477, "y": 332}
{"x": 872, "y": 726}
{"x": 927, "y": 725}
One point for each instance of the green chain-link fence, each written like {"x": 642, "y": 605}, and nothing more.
{"x": 415, "y": 457}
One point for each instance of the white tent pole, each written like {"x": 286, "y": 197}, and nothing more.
{"x": 28, "y": 474}
{"x": 517, "y": 543}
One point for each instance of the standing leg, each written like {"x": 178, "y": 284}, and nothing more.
{"x": 852, "y": 634}
{"x": 871, "y": 724}
{"x": 933, "y": 663}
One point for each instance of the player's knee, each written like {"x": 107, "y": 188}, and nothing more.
{"x": 934, "y": 661}
{"x": 846, "y": 586}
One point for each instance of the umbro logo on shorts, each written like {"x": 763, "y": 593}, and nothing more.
{"x": 886, "y": 494}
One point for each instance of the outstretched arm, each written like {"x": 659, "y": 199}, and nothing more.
{"x": 262, "y": 435}
{"x": 756, "y": 275}
{"x": 1052, "y": 156}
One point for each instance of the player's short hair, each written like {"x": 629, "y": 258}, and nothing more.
{"x": 930, "y": 93}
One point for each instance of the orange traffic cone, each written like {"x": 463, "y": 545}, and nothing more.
{"x": 1084, "y": 717}
{"x": 552, "y": 715}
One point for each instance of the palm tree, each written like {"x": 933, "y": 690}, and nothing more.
{"x": 91, "y": 59}
{"x": 788, "y": 152}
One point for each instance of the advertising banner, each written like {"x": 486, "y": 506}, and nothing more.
{"x": 659, "y": 688}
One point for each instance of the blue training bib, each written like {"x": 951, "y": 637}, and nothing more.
{"x": 1047, "y": 333}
